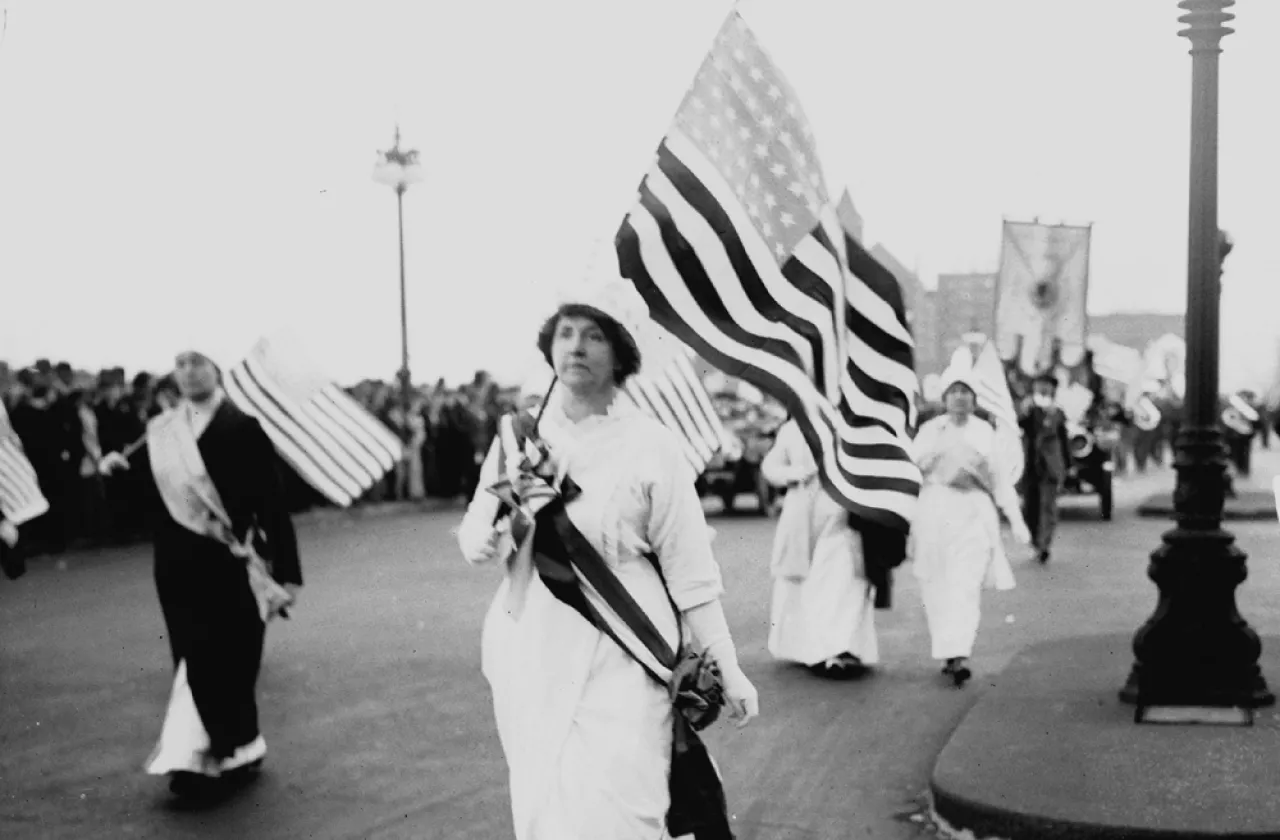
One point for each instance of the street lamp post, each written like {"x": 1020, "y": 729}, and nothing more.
{"x": 1196, "y": 649}
{"x": 398, "y": 168}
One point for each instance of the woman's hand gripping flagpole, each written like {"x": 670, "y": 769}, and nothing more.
{"x": 527, "y": 482}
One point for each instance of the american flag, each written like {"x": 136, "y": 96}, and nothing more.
{"x": 735, "y": 246}
{"x": 20, "y": 496}
{"x": 676, "y": 397}
{"x": 332, "y": 442}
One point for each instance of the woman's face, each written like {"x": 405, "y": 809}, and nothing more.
{"x": 958, "y": 400}
{"x": 581, "y": 355}
{"x": 196, "y": 376}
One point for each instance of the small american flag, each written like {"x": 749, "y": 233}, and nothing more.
{"x": 20, "y": 496}
{"x": 735, "y": 245}
{"x": 332, "y": 442}
{"x": 676, "y": 397}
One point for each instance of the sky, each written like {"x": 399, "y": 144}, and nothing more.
{"x": 198, "y": 175}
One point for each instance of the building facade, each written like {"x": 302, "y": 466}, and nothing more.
{"x": 963, "y": 303}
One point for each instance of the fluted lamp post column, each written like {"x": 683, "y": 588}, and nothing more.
{"x": 1196, "y": 649}
{"x": 398, "y": 168}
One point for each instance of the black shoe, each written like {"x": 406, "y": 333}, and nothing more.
{"x": 958, "y": 670}
{"x": 188, "y": 785}
{"x": 243, "y": 775}
{"x": 1043, "y": 557}
{"x": 846, "y": 666}
{"x": 852, "y": 665}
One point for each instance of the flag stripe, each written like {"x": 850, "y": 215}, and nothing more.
{"x": 674, "y": 396}
{"x": 381, "y": 437}
{"x": 692, "y": 453}
{"x": 675, "y": 190}
{"x": 372, "y": 457}
{"x": 674, "y": 415}
{"x": 349, "y": 475}
{"x": 645, "y": 256}
{"x": 20, "y": 497}
{"x": 239, "y": 388}
{"x": 867, "y": 399}
{"x": 703, "y": 234}
{"x": 706, "y": 410}
{"x": 290, "y": 441}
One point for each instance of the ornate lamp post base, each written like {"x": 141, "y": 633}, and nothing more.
{"x": 1196, "y": 649}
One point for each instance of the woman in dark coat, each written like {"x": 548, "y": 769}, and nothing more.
{"x": 226, "y": 560}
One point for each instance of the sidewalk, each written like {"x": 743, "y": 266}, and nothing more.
{"x": 1049, "y": 751}
{"x": 1254, "y": 499}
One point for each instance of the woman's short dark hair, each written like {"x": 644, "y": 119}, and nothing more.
{"x": 625, "y": 353}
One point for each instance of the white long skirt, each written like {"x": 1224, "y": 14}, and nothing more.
{"x": 832, "y": 610}
{"x": 184, "y": 742}
{"x": 586, "y": 733}
{"x": 956, "y": 552}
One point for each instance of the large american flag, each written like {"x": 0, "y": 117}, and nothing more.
{"x": 332, "y": 442}
{"x": 20, "y": 496}
{"x": 738, "y": 251}
{"x": 676, "y": 397}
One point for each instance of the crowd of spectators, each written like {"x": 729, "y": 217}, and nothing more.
{"x": 67, "y": 419}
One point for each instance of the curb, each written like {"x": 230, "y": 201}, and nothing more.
{"x": 1250, "y": 505}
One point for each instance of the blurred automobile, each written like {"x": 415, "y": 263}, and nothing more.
{"x": 752, "y": 421}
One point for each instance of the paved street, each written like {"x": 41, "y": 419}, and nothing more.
{"x": 379, "y": 722}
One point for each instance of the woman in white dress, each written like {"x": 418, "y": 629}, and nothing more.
{"x": 955, "y": 539}
{"x": 587, "y": 732}
{"x": 823, "y": 612}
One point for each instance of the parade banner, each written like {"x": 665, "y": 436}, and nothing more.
{"x": 1117, "y": 362}
{"x": 1166, "y": 362}
{"x": 1041, "y": 294}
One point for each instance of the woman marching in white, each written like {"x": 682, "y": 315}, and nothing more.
{"x": 587, "y": 730}
{"x": 823, "y": 612}
{"x": 955, "y": 539}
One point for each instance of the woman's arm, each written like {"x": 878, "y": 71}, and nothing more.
{"x": 677, "y": 528}
{"x": 926, "y": 446}
{"x": 679, "y": 535}
{"x": 269, "y": 507}
{"x": 479, "y": 538}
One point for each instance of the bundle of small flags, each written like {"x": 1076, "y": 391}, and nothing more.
{"x": 529, "y": 482}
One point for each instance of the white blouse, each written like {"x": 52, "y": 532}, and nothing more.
{"x": 637, "y": 495}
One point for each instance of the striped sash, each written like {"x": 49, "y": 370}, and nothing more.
{"x": 574, "y": 572}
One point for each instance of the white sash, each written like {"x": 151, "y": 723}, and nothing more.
{"x": 193, "y": 501}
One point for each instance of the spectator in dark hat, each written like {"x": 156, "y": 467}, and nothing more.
{"x": 1048, "y": 454}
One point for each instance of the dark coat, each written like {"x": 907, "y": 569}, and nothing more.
{"x": 1045, "y": 444}
{"x": 243, "y": 466}
{"x": 209, "y": 609}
